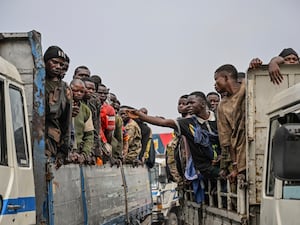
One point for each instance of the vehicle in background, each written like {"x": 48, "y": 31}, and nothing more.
{"x": 164, "y": 194}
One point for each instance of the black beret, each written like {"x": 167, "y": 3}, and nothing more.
{"x": 288, "y": 51}
{"x": 54, "y": 52}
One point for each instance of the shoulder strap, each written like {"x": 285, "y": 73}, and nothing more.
{"x": 196, "y": 121}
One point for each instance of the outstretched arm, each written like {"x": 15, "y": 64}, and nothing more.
{"x": 154, "y": 120}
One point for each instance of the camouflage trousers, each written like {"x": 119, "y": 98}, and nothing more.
{"x": 171, "y": 162}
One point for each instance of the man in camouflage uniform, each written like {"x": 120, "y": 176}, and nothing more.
{"x": 135, "y": 136}
{"x": 146, "y": 136}
{"x": 172, "y": 148}
{"x": 58, "y": 97}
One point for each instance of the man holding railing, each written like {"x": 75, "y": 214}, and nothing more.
{"x": 231, "y": 121}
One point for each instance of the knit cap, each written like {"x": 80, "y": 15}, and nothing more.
{"x": 288, "y": 51}
{"x": 54, "y": 52}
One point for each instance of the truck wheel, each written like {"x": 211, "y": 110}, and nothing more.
{"x": 172, "y": 219}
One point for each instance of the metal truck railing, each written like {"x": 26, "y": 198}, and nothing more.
{"x": 228, "y": 199}
{"x": 221, "y": 198}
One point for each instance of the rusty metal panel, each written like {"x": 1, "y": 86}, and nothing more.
{"x": 259, "y": 94}
{"x": 138, "y": 185}
{"x": 193, "y": 213}
{"x": 259, "y": 176}
{"x": 97, "y": 195}
{"x": 104, "y": 193}
{"x": 25, "y": 52}
{"x": 16, "y": 48}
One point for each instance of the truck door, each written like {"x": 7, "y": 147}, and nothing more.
{"x": 7, "y": 184}
{"x": 17, "y": 184}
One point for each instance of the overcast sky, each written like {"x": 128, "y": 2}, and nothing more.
{"x": 150, "y": 52}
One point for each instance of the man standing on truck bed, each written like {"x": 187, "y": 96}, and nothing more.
{"x": 58, "y": 97}
{"x": 231, "y": 119}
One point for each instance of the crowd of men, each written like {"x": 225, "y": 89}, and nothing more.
{"x": 213, "y": 125}
{"x": 86, "y": 124}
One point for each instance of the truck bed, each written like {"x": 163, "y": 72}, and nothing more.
{"x": 99, "y": 195}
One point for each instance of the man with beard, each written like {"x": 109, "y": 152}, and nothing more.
{"x": 58, "y": 104}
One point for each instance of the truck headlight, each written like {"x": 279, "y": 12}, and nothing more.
{"x": 159, "y": 203}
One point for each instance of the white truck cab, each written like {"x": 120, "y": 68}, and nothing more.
{"x": 281, "y": 186}
{"x": 17, "y": 192}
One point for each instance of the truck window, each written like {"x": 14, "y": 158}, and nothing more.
{"x": 3, "y": 149}
{"x": 291, "y": 190}
{"x": 19, "y": 128}
{"x": 270, "y": 178}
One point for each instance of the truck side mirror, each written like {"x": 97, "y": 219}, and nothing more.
{"x": 286, "y": 152}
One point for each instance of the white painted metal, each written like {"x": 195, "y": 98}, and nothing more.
{"x": 17, "y": 182}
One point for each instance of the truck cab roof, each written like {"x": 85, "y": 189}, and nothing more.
{"x": 9, "y": 70}
{"x": 285, "y": 98}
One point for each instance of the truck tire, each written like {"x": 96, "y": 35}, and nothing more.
{"x": 172, "y": 219}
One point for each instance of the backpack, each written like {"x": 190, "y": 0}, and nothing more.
{"x": 176, "y": 158}
{"x": 207, "y": 139}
